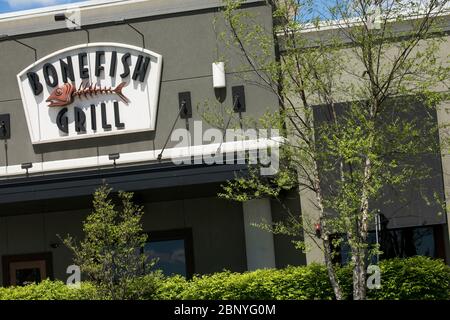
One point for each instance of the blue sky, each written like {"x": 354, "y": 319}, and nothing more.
{"x": 15, "y": 5}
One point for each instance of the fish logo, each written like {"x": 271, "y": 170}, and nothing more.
{"x": 65, "y": 94}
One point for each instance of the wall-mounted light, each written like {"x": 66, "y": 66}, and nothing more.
{"x": 60, "y": 17}
{"x": 55, "y": 245}
{"x": 5, "y": 127}
{"x": 218, "y": 71}
{"x": 185, "y": 105}
{"x": 318, "y": 230}
{"x": 184, "y": 112}
{"x": 114, "y": 157}
{"x": 27, "y": 166}
{"x": 238, "y": 93}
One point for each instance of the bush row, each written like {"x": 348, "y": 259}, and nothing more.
{"x": 412, "y": 278}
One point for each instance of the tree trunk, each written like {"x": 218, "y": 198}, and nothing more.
{"x": 360, "y": 252}
{"x": 331, "y": 271}
{"x": 359, "y": 276}
{"x": 325, "y": 238}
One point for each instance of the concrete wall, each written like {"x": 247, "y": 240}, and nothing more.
{"x": 285, "y": 252}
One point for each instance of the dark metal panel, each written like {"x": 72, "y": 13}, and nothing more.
{"x": 5, "y": 126}
{"x": 127, "y": 179}
{"x": 414, "y": 205}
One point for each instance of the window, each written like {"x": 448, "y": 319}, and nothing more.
{"x": 408, "y": 242}
{"x": 173, "y": 250}
{"x": 402, "y": 243}
{"x": 21, "y": 270}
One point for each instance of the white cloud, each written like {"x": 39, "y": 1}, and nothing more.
{"x": 17, "y": 4}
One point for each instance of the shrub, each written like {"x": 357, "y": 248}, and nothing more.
{"x": 411, "y": 278}
{"x": 49, "y": 290}
{"x": 414, "y": 278}
{"x": 172, "y": 288}
{"x": 293, "y": 283}
{"x": 108, "y": 253}
{"x": 145, "y": 287}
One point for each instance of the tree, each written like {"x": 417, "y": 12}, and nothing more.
{"x": 111, "y": 254}
{"x": 358, "y": 100}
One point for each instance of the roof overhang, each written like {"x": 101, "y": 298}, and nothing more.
{"x": 96, "y": 12}
{"x": 137, "y": 178}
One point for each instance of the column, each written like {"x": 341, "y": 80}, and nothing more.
{"x": 259, "y": 243}
{"x": 443, "y": 115}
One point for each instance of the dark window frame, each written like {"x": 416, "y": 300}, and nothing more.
{"x": 438, "y": 236}
{"x": 8, "y": 259}
{"x": 177, "y": 234}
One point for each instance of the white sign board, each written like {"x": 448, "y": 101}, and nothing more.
{"x": 91, "y": 90}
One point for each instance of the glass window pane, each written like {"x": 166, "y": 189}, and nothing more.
{"x": 402, "y": 243}
{"x": 171, "y": 256}
{"x": 28, "y": 276}
{"x": 424, "y": 242}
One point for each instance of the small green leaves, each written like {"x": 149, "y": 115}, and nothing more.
{"x": 110, "y": 253}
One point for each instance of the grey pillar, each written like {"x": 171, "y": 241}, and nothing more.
{"x": 259, "y": 243}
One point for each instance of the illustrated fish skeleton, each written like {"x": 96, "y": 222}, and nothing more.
{"x": 65, "y": 94}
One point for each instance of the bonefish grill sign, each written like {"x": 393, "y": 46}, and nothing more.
{"x": 91, "y": 90}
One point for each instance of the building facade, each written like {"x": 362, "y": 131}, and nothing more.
{"x": 93, "y": 94}
{"x": 131, "y": 67}
{"x": 413, "y": 221}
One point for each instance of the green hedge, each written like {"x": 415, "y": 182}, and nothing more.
{"x": 291, "y": 283}
{"x": 49, "y": 290}
{"x": 413, "y": 278}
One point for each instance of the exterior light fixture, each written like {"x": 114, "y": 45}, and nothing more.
{"x": 55, "y": 245}
{"x": 238, "y": 93}
{"x": 27, "y": 166}
{"x": 185, "y": 104}
{"x": 218, "y": 71}
{"x": 184, "y": 112}
{"x": 318, "y": 230}
{"x": 5, "y": 126}
{"x": 60, "y": 17}
{"x": 114, "y": 157}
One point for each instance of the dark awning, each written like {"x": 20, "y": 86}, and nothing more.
{"x": 136, "y": 178}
